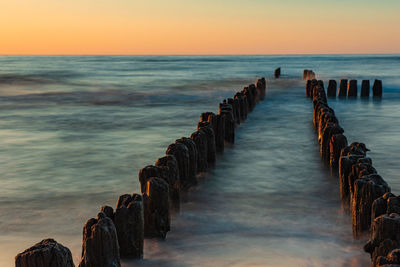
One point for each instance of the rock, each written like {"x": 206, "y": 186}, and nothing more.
{"x": 377, "y": 88}
{"x": 332, "y": 88}
{"x": 129, "y": 223}
{"x": 193, "y": 155}
{"x": 261, "y": 86}
{"x": 181, "y": 154}
{"x": 352, "y": 89}
{"x": 200, "y": 139}
{"x": 46, "y": 253}
{"x": 366, "y": 190}
{"x": 218, "y": 124}
{"x": 343, "y": 88}
{"x": 385, "y": 234}
{"x": 365, "y": 88}
{"x": 336, "y": 144}
{"x": 156, "y": 208}
{"x": 100, "y": 243}
{"x": 277, "y": 73}
{"x": 211, "y": 148}
{"x": 171, "y": 176}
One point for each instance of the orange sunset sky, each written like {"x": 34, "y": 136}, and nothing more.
{"x": 199, "y": 27}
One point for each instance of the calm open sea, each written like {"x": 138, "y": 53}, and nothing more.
{"x": 75, "y": 130}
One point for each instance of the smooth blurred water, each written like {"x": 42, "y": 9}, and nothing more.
{"x": 75, "y": 130}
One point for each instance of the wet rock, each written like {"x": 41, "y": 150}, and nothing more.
{"x": 181, "y": 154}
{"x": 365, "y": 88}
{"x": 352, "y": 89}
{"x": 342, "y": 88}
{"x": 200, "y": 139}
{"x": 218, "y": 124}
{"x": 46, "y": 253}
{"x": 129, "y": 223}
{"x": 261, "y": 86}
{"x": 337, "y": 143}
{"x": 366, "y": 190}
{"x": 355, "y": 148}
{"x": 100, "y": 243}
{"x": 332, "y": 88}
{"x": 156, "y": 208}
{"x": 171, "y": 176}
{"x": 193, "y": 155}
{"x": 377, "y": 88}
{"x": 385, "y": 235}
{"x": 277, "y": 73}
{"x": 211, "y": 148}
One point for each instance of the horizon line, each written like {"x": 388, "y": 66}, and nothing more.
{"x": 278, "y": 54}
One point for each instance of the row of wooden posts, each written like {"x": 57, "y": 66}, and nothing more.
{"x": 120, "y": 233}
{"x": 364, "y": 193}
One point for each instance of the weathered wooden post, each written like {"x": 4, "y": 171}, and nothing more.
{"x": 365, "y": 88}
{"x": 332, "y": 88}
{"x": 277, "y": 73}
{"x": 377, "y": 88}
{"x": 156, "y": 208}
{"x": 337, "y": 143}
{"x": 193, "y": 155}
{"x": 217, "y": 122}
{"x": 352, "y": 89}
{"x": 235, "y": 109}
{"x": 243, "y": 105}
{"x": 366, "y": 190}
{"x": 343, "y": 88}
{"x": 171, "y": 176}
{"x": 129, "y": 223}
{"x": 100, "y": 243}
{"x": 46, "y": 253}
{"x": 261, "y": 85}
{"x": 385, "y": 236}
{"x": 181, "y": 154}
{"x": 200, "y": 139}
{"x": 211, "y": 149}
{"x": 226, "y": 110}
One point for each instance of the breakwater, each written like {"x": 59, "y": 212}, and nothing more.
{"x": 120, "y": 233}
{"x": 364, "y": 193}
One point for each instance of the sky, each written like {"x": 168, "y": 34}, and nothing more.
{"x": 176, "y": 27}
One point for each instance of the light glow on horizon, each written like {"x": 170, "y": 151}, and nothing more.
{"x": 199, "y": 27}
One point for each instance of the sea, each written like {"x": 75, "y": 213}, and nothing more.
{"x": 76, "y": 130}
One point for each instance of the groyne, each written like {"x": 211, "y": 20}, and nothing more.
{"x": 365, "y": 195}
{"x": 120, "y": 232}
